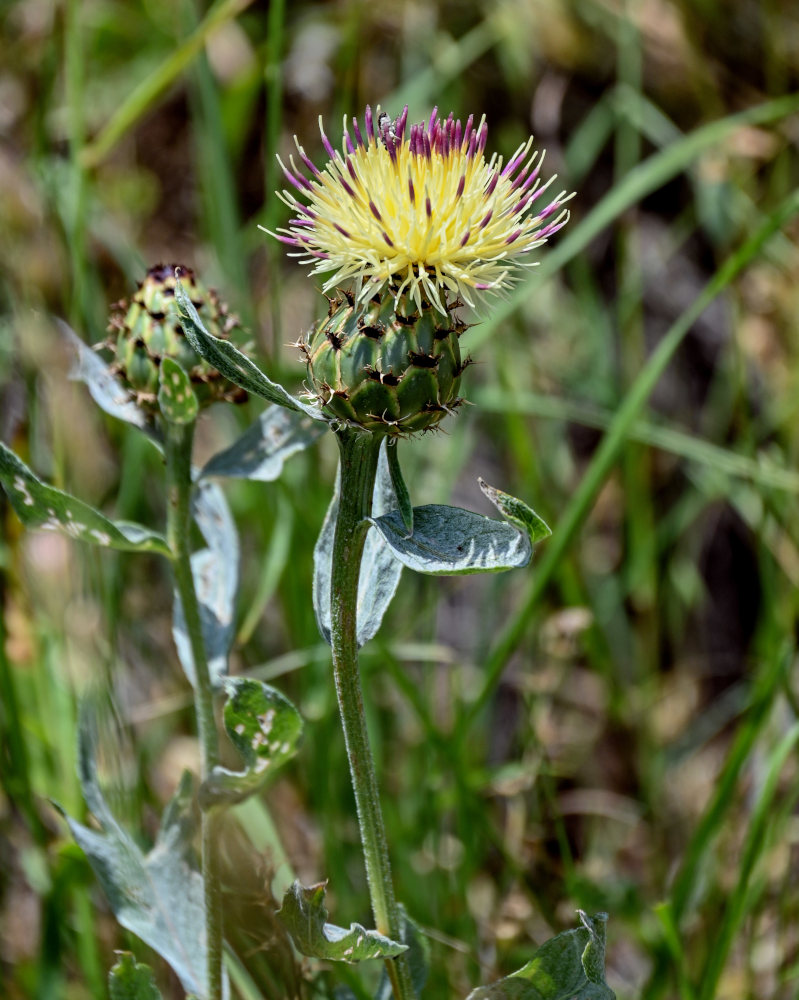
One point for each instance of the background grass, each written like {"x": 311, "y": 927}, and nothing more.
{"x": 613, "y": 729}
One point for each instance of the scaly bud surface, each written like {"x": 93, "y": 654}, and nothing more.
{"x": 146, "y": 329}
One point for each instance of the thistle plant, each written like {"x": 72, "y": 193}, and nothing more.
{"x": 409, "y": 224}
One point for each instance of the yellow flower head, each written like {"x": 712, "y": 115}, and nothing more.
{"x": 419, "y": 208}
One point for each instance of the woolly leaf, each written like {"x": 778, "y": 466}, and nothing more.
{"x": 215, "y": 570}
{"x": 231, "y": 363}
{"x": 263, "y": 448}
{"x": 450, "y": 541}
{"x": 105, "y": 388}
{"x": 418, "y": 958}
{"x": 159, "y": 895}
{"x": 45, "y": 507}
{"x": 176, "y": 399}
{"x": 570, "y": 966}
{"x": 304, "y": 915}
{"x": 130, "y": 980}
{"x": 265, "y": 728}
{"x": 380, "y": 570}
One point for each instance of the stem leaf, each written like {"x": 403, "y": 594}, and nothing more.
{"x": 263, "y": 448}
{"x": 45, "y": 507}
{"x": 104, "y": 387}
{"x": 450, "y": 541}
{"x": 304, "y": 915}
{"x": 418, "y": 958}
{"x": 570, "y": 966}
{"x": 380, "y": 570}
{"x": 231, "y": 363}
{"x": 157, "y": 896}
{"x": 265, "y": 728}
{"x": 131, "y": 980}
{"x": 215, "y": 570}
{"x": 176, "y": 398}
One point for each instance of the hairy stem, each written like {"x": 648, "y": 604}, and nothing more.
{"x": 178, "y": 465}
{"x": 359, "y": 454}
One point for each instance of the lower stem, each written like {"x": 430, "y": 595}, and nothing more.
{"x": 178, "y": 464}
{"x": 359, "y": 454}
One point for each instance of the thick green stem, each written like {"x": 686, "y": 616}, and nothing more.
{"x": 359, "y": 454}
{"x": 178, "y": 466}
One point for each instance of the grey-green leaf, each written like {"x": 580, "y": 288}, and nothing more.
{"x": 380, "y": 570}
{"x": 131, "y": 980}
{"x": 234, "y": 365}
{"x": 450, "y": 541}
{"x": 265, "y": 728}
{"x": 157, "y": 896}
{"x": 105, "y": 388}
{"x": 176, "y": 399}
{"x": 304, "y": 915}
{"x": 215, "y": 570}
{"x": 263, "y": 448}
{"x": 570, "y": 966}
{"x": 418, "y": 958}
{"x": 45, "y": 507}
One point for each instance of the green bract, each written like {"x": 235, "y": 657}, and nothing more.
{"x": 146, "y": 329}
{"x": 386, "y": 365}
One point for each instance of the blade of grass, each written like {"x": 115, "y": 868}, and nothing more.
{"x": 273, "y": 79}
{"x": 448, "y": 61}
{"x": 608, "y": 451}
{"x": 760, "y": 471}
{"x": 754, "y": 845}
{"x": 766, "y": 687}
{"x": 144, "y": 96}
{"x": 218, "y": 185}
{"x": 647, "y": 177}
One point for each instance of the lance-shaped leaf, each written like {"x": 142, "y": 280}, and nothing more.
{"x": 418, "y": 958}
{"x": 176, "y": 399}
{"x": 231, "y": 363}
{"x": 570, "y": 966}
{"x": 265, "y": 728}
{"x": 158, "y": 896}
{"x": 304, "y": 915}
{"x": 131, "y": 980}
{"x": 450, "y": 541}
{"x": 380, "y": 570}
{"x": 105, "y": 388}
{"x": 263, "y": 448}
{"x": 216, "y": 571}
{"x": 45, "y": 507}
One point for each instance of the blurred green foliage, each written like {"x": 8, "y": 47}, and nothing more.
{"x": 629, "y": 753}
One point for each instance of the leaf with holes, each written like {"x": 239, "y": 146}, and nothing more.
{"x": 216, "y": 572}
{"x": 380, "y": 570}
{"x": 159, "y": 895}
{"x": 176, "y": 399}
{"x": 130, "y": 980}
{"x": 450, "y": 541}
{"x": 265, "y": 728}
{"x": 45, "y": 507}
{"x": 304, "y": 915}
{"x": 231, "y": 363}
{"x": 263, "y": 448}
{"x": 570, "y": 966}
